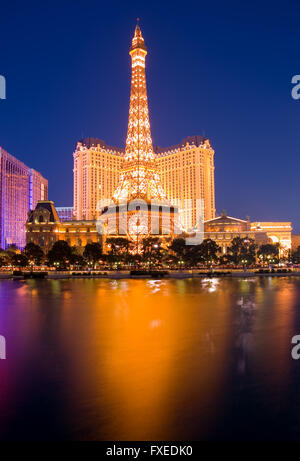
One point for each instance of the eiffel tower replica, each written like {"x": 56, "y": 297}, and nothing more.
{"x": 140, "y": 204}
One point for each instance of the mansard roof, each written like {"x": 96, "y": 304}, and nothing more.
{"x": 47, "y": 205}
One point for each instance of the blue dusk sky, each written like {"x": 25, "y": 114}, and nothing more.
{"x": 221, "y": 69}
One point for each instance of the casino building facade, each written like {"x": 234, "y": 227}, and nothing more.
{"x": 172, "y": 180}
{"x": 184, "y": 171}
{"x": 20, "y": 189}
{"x": 44, "y": 228}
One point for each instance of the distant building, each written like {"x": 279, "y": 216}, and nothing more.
{"x": 38, "y": 188}
{"x": 20, "y": 189}
{"x": 44, "y": 228}
{"x": 65, "y": 213}
{"x": 277, "y": 232}
{"x": 224, "y": 229}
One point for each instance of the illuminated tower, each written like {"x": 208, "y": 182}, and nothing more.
{"x": 140, "y": 204}
{"x": 182, "y": 174}
{"x": 139, "y": 178}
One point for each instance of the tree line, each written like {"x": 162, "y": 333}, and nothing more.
{"x": 152, "y": 252}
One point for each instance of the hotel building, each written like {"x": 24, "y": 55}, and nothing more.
{"x": 96, "y": 172}
{"x": 184, "y": 172}
{"x": 223, "y": 229}
{"x": 44, "y": 227}
{"x": 20, "y": 189}
{"x": 181, "y": 175}
{"x": 187, "y": 176}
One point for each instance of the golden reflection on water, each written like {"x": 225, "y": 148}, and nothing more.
{"x": 153, "y": 359}
{"x": 159, "y": 349}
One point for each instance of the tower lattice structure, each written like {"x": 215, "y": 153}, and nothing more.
{"x": 139, "y": 178}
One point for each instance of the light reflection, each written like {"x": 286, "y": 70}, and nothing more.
{"x": 146, "y": 359}
{"x": 155, "y": 323}
{"x": 210, "y": 284}
{"x": 246, "y": 304}
{"x": 155, "y": 285}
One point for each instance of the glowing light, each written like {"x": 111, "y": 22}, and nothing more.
{"x": 139, "y": 177}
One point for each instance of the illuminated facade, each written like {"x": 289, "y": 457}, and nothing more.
{"x": 139, "y": 178}
{"x": 160, "y": 181}
{"x": 44, "y": 228}
{"x": 182, "y": 174}
{"x": 140, "y": 206}
{"x": 38, "y": 188}
{"x": 20, "y": 189}
{"x": 96, "y": 175}
{"x": 277, "y": 232}
{"x": 65, "y": 213}
{"x": 187, "y": 176}
{"x": 224, "y": 229}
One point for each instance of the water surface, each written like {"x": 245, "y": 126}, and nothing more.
{"x": 194, "y": 359}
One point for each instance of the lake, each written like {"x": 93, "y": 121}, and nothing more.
{"x": 193, "y": 359}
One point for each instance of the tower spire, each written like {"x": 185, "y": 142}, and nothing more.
{"x": 139, "y": 177}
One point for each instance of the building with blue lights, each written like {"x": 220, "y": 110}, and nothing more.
{"x": 20, "y": 189}
{"x": 65, "y": 213}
